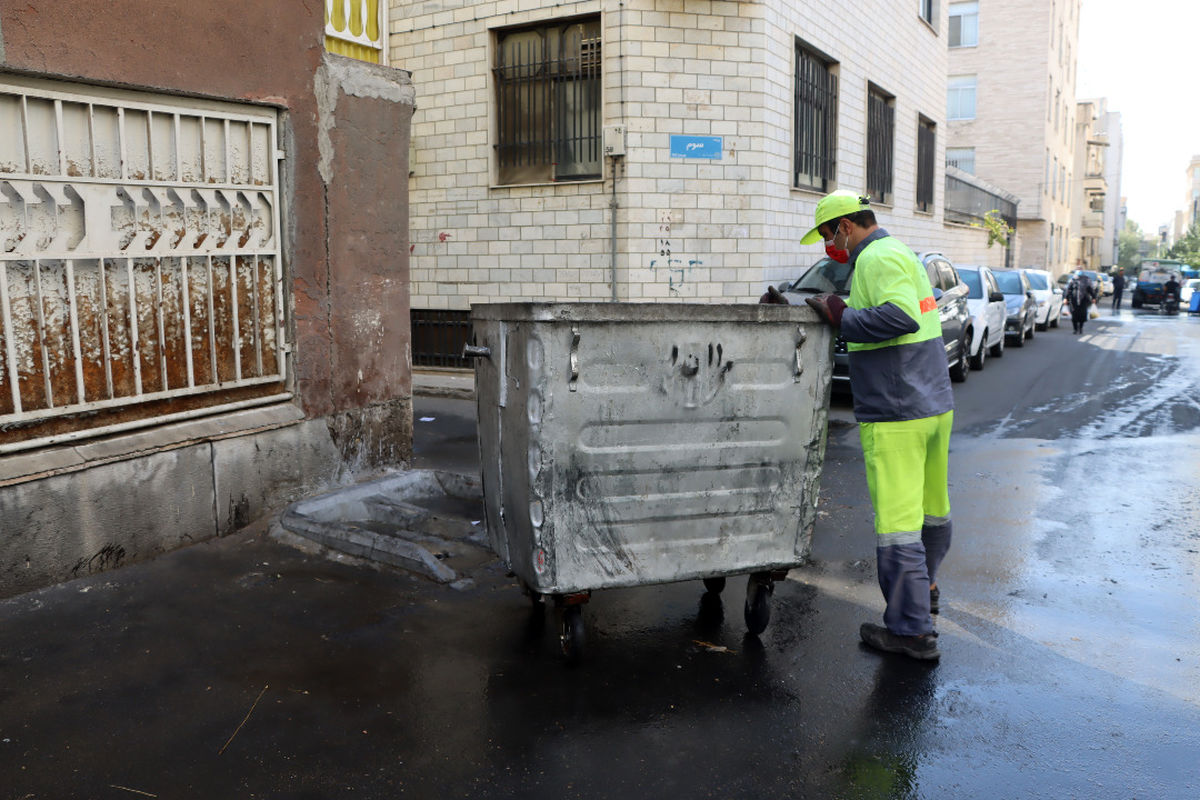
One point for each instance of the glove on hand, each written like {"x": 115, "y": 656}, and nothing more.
{"x": 772, "y": 295}
{"x": 829, "y": 307}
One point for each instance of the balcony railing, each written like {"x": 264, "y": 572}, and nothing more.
{"x": 357, "y": 28}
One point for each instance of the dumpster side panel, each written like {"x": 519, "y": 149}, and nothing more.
{"x": 658, "y": 448}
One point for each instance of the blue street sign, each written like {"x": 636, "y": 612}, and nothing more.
{"x": 695, "y": 146}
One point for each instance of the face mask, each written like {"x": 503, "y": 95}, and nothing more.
{"x": 839, "y": 255}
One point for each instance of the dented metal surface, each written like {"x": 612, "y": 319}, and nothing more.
{"x": 626, "y": 444}
{"x": 139, "y": 251}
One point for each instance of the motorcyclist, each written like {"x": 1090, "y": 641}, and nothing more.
{"x": 1171, "y": 294}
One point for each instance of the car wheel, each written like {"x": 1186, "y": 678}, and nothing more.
{"x": 998, "y": 347}
{"x": 979, "y": 358}
{"x": 1019, "y": 341}
{"x": 1029, "y": 331}
{"x": 958, "y": 372}
{"x": 1054, "y": 322}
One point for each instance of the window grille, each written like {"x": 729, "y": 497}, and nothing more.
{"x": 815, "y": 121}
{"x": 926, "y": 152}
{"x": 548, "y": 102}
{"x": 881, "y": 126}
{"x": 140, "y": 269}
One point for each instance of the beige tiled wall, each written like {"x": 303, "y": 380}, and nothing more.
{"x": 686, "y": 229}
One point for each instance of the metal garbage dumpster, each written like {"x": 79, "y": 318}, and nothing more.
{"x": 625, "y": 444}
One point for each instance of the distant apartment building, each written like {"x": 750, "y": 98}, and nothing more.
{"x": 1108, "y": 127}
{"x": 1090, "y": 189}
{"x": 661, "y": 150}
{"x": 1193, "y": 191}
{"x": 1011, "y": 112}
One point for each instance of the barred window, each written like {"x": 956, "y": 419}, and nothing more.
{"x": 926, "y": 152}
{"x": 961, "y": 157}
{"x": 548, "y": 102}
{"x": 815, "y": 121}
{"x": 881, "y": 127}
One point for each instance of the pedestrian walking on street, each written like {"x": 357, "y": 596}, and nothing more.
{"x": 1118, "y": 287}
{"x": 1080, "y": 294}
{"x": 904, "y": 406}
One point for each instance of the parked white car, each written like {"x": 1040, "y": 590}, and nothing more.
{"x": 1047, "y": 295}
{"x": 985, "y": 301}
{"x": 1190, "y": 286}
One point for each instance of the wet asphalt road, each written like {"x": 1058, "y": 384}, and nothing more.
{"x": 248, "y": 667}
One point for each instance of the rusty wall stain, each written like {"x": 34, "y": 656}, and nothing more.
{"x": 223, "y": 319}
{"x": 90, "y": 313}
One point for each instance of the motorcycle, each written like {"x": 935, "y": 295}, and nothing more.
{"x": 1170, "y": 304}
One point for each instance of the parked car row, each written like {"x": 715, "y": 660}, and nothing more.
{"x": 981, "y": 309}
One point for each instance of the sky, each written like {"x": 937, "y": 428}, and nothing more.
{"x": 1144, "y": 56}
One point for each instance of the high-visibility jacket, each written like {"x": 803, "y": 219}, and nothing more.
{"x": 894, "y": 335}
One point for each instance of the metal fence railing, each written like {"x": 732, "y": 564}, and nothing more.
{"x": 968, "y": 200}
{"x": 357, "y": 28}
{"x": 139, "y": 254}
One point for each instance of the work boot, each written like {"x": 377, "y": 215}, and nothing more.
{"x": 922, "y": 648}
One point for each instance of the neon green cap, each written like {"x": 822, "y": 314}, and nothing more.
{"x": 834, "y": 205}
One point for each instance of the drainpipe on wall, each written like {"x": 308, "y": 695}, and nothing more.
{"x": 612, "y": 211}
{"x": 614, "y": 145}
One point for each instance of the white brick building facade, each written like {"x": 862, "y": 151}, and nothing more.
{"x": 714, "y": 229}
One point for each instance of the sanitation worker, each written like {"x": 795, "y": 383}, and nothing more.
{"x": 904, "y": 406}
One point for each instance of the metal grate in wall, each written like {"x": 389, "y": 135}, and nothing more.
{"x": 438, "y": 337}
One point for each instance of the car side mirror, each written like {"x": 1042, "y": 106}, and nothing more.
{"x": 937, "y": 293}
{"x": 996, "y": 297}
{"x": 1029, "y": 294}
{"x": 783, "y": 287}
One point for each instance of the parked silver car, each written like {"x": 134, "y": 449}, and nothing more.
{"x": 1022, "y": 309}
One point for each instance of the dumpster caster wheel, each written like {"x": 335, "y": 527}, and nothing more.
{"x": 571, "y": 636}
{"x": 758, "y": 603}
{"x": 714, "y": 585}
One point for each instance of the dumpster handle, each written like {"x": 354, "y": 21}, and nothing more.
{"x": 476, "y": 351}
{"x": 574, "y": 382}
{"x": 801, "y": 337}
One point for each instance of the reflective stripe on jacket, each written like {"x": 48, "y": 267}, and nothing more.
{"x": 903, "y": 376}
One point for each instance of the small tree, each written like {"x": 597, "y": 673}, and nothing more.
{"x": 1128, "y": 246}
{"x": 997, "y": 229}
{"x": 1187, "y": 249}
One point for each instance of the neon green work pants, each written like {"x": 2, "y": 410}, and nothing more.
{"x": 907, "y": 472}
